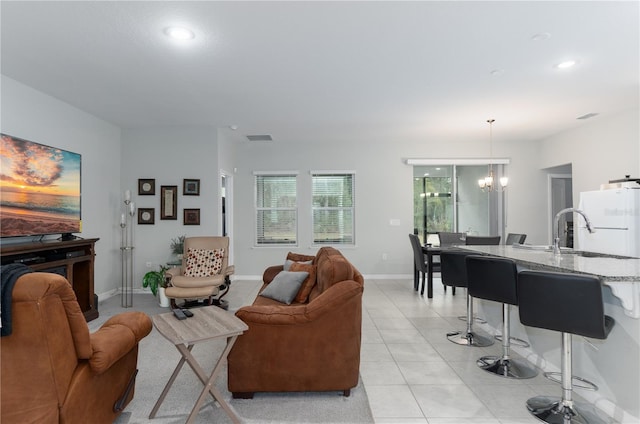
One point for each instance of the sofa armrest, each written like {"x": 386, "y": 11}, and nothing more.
{"x": 116, "y": 338}
{"x": 271, "y": 272}
{"x": 279, "y": 315}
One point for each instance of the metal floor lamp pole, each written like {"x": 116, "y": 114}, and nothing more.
{"x": 126, "y": 251}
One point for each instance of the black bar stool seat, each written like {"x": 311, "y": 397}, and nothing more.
{"x": 496, "y": 279}
{"x": 453, "y": 271}
{"x": 570, "y": 304}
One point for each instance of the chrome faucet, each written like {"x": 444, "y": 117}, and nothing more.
{"x": 556, "y": 224}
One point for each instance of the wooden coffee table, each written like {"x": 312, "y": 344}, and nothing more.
{"x": 207, "y": 323}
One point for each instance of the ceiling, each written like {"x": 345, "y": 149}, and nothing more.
{"x": 361, "y": 72}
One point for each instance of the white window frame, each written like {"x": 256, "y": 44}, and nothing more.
{"x": 352, "y": 208}
{"x": 257, "y": 209}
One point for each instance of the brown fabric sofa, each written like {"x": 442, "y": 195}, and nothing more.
{"x": 312, "y": 346}
{"x": 53, "y": 369}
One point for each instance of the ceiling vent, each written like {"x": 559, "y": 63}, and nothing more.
{"x": 588, "y": 115}
{"x": 260, "y": 137}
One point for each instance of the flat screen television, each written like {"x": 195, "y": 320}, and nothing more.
{"x": 40, "y": 189}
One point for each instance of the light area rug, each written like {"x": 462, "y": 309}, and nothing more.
{"x": 157, "y": 359}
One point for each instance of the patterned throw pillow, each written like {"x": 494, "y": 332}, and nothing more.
{"x": 203, "y": 262}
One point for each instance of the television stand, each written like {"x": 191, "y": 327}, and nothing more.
{"x": 73, "y": 259}
{"x": 67, "y": 237}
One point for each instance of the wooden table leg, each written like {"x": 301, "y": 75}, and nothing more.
{"x": 209, "y": 384}
{"x": 168, "y": 385}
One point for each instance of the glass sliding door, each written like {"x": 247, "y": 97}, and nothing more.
{"x": 447, "y": 198}
{"x": 434, "y": 208}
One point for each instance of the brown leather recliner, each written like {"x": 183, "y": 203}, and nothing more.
{"x": 53, "y": 369}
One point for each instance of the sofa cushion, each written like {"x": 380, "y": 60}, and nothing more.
{"x": 308, "y": 283}
{"x": 285, "y": 286}
{"x": 203, "y": 262}
{"x": 289, "y": 262}
{"x": 299, "y": 257}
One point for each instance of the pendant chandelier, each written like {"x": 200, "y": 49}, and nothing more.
{"x": 487, "y": 183}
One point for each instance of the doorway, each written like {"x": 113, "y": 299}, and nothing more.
{"x": 226, "y": 209}
{"x": 560, "y": 196}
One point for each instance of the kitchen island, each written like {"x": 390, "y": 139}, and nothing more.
{"x": 620, "y": 273}
{"x": 613, "y": 364}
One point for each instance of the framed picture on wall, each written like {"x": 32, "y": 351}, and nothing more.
{"x": 146, "y": 187}
{"x": 191, "y": 187}
{"x": 146, "y": 216}
{"x": 169, "y": 202}
{"x": 191, "y": 217}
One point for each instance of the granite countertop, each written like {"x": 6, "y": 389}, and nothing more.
{"x": 606, "y": 268}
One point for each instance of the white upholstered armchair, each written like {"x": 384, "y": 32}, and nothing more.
{"x": 204, "y": 272}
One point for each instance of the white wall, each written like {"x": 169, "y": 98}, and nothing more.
{"x": 169, "y": 155}
{"x": 29, "y": 114}
{"x": 383, "y": 186}
{"x": 603, "y": 149}
{"x": 383, "y": 180}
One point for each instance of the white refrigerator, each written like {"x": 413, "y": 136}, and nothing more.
{"x": 615, "y": 216}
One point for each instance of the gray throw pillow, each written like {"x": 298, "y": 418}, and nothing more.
{"x": 285, "y": 286}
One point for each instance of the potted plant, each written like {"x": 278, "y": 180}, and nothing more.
{"x": 177, "y": 245}
{"x": 157, "y": 282}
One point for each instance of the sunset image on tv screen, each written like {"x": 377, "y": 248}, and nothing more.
{"x": 39, "y": 189}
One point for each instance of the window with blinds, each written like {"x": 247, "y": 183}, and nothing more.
{"x": 333, "y": 208}
{"x": 276, "y": 210}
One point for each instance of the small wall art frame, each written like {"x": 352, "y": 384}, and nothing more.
{"x": 146, "y": 216}
{"x": 146, "y": 187}
{"x": 191, "y": 217}
{"x": 191, "y": 187}
{"x": 169, "y": 202}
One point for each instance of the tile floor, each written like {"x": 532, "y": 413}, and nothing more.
{"x": 411, "y": 372}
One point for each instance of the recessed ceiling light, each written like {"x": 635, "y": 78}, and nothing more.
{"x": 180, "y": 33}
{"x": 588, "y": 115}
{"x": 541, "y": 36}
{"x": 566, "y": 64}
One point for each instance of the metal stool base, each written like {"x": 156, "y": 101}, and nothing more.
{"x": 469, "y": 339}
{"x": 507, "y": 368}
{"x": 576, "y": 381}
{"x": 551, "y": 410}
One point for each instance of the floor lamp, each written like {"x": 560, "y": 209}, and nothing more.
{"x": 126, "y": 250}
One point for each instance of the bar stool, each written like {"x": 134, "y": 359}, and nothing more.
{"x": 453, "y": 271}
{"x": 496, "y": 279}
{"x": 570, "y": 304}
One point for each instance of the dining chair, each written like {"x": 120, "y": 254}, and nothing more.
{"x": 449, "y": 239}
{"x": 482, "y": 240}
{"x": 515, "y": 238}
{"x": 420, "y": 263}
